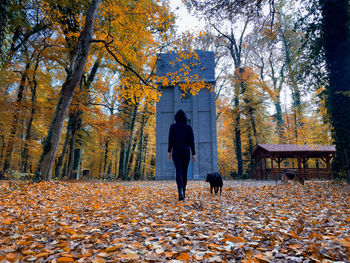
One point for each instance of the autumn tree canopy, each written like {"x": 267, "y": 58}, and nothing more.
{"x": 276, "y": 82}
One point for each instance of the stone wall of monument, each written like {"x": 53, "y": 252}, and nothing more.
{"x": 200, "y": 110}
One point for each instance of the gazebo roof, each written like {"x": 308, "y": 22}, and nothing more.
{"x": 290, "y": 149}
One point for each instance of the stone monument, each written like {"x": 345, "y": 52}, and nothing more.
{"x": 200, "y": 109}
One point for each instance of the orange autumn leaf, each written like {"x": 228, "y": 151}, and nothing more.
{"x": 129, "y": 256}
{"x": 262, "y": 258}
{"x": 237, "y": 239}
{"x": 169, "y": 254}
{"x": 294, "y": 246}
{"x": 23, "y": 242}
{"x": 65, "y": 259}
{"x": 344, "y": 242}
{"x": 7, "y": 221}
{"x": 183, "y": 256}
{"x": 98, "y": 260}
{"x": 77, "y": 236}
{"x": 28, "y": 252}
{"x": 293, "y": 234}
{"x": 113, "y": 248}
{"x": 43, "y": 254}
{"x": 250, "y": 260}
{"x": 11, "y": 257}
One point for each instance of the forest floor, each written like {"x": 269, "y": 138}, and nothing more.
{"x": 144, "y": 221}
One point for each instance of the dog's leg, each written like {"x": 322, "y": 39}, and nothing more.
{"x": 300, "y": 179}
{"x": 284, "y": 179}
{"x": 211, "y": 189}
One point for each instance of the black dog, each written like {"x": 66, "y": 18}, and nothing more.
{"x": 215, "y": 181}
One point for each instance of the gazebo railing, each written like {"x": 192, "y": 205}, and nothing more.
{"x": 307, "y": 173}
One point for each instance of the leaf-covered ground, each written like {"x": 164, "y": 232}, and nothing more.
{"x": 143, "y": 221}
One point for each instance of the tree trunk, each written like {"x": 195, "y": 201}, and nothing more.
{"x": 71, "y": 155}
{"x": 74, "y": 76}
{"x": 238, "y": 142}
{"x": 105, "y": 156}
{"x": 252, "y": 122}
{"x": 64, "y": 150}
{"x": 335, "y": 32}
{"x": 109, "y": 169}
{"x": 122, "y": 167}
{"x": 14, "y": 125}
{"x": 297, "y": 111}
{"x": 279, "y": 119}
{"x": 76, "y": 124}
{"x": 64, "y": 172}
{"x": 295, "y": 90}
{"x": 250, "y": 151}
{"x": 4, "y": 16}
{"x": 137, "y": 175}
{"x": 75, "y": 120}
{"x": 137, "y": 171}
{"x": 126, "y": 146}
{"x": 143, "y": 163}
{"x": 277, "y": 101}
{"x": 28, "y": 135}
{"x": 116, "y": 163}
{"x": 2, "y": 153}
{"x": 100, "y": 166}
{"x": 235, "y": 48}
{"x": 76, "y": 164}
{"x": 2, "y": 146}
{"x": 130, "y": 141}
{"x": 131, "y": 159}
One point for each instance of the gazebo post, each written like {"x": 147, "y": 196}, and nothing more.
{"x": 305, "y": 159}
{"x": 279, "y": 164}
{"x": 328, "y": 163}
{"x": 265, "y": 168}
{"x": 280, "y": 159}
{"x": 272, "y": 172}
{"x": 255, "y": 169}
{"x": 299, "y": 166}
{"x": 261, "y": 169}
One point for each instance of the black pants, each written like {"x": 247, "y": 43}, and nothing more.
{"x": 181, "y": 165}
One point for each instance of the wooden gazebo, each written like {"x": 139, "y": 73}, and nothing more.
{"x": 309, "y": 161}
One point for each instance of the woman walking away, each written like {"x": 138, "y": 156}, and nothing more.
{"x": 181, "y": 142}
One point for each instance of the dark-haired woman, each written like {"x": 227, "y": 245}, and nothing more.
{"x": 180, "y": 146}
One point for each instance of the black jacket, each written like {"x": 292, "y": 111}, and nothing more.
{"x": 181, "y": 139}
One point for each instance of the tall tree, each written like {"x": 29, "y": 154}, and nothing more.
{"x": 336, "y": 37}
{"x": 75, "y": 73}
{"x": 236, "y": 50}
{"x": 16, "y": 114}
{"x": 28, "y": 135}
{"x": 4, "y": 16}
{"x": 264, "y": 46}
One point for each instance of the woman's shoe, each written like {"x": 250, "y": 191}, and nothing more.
{"x": 181, "y": 195}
